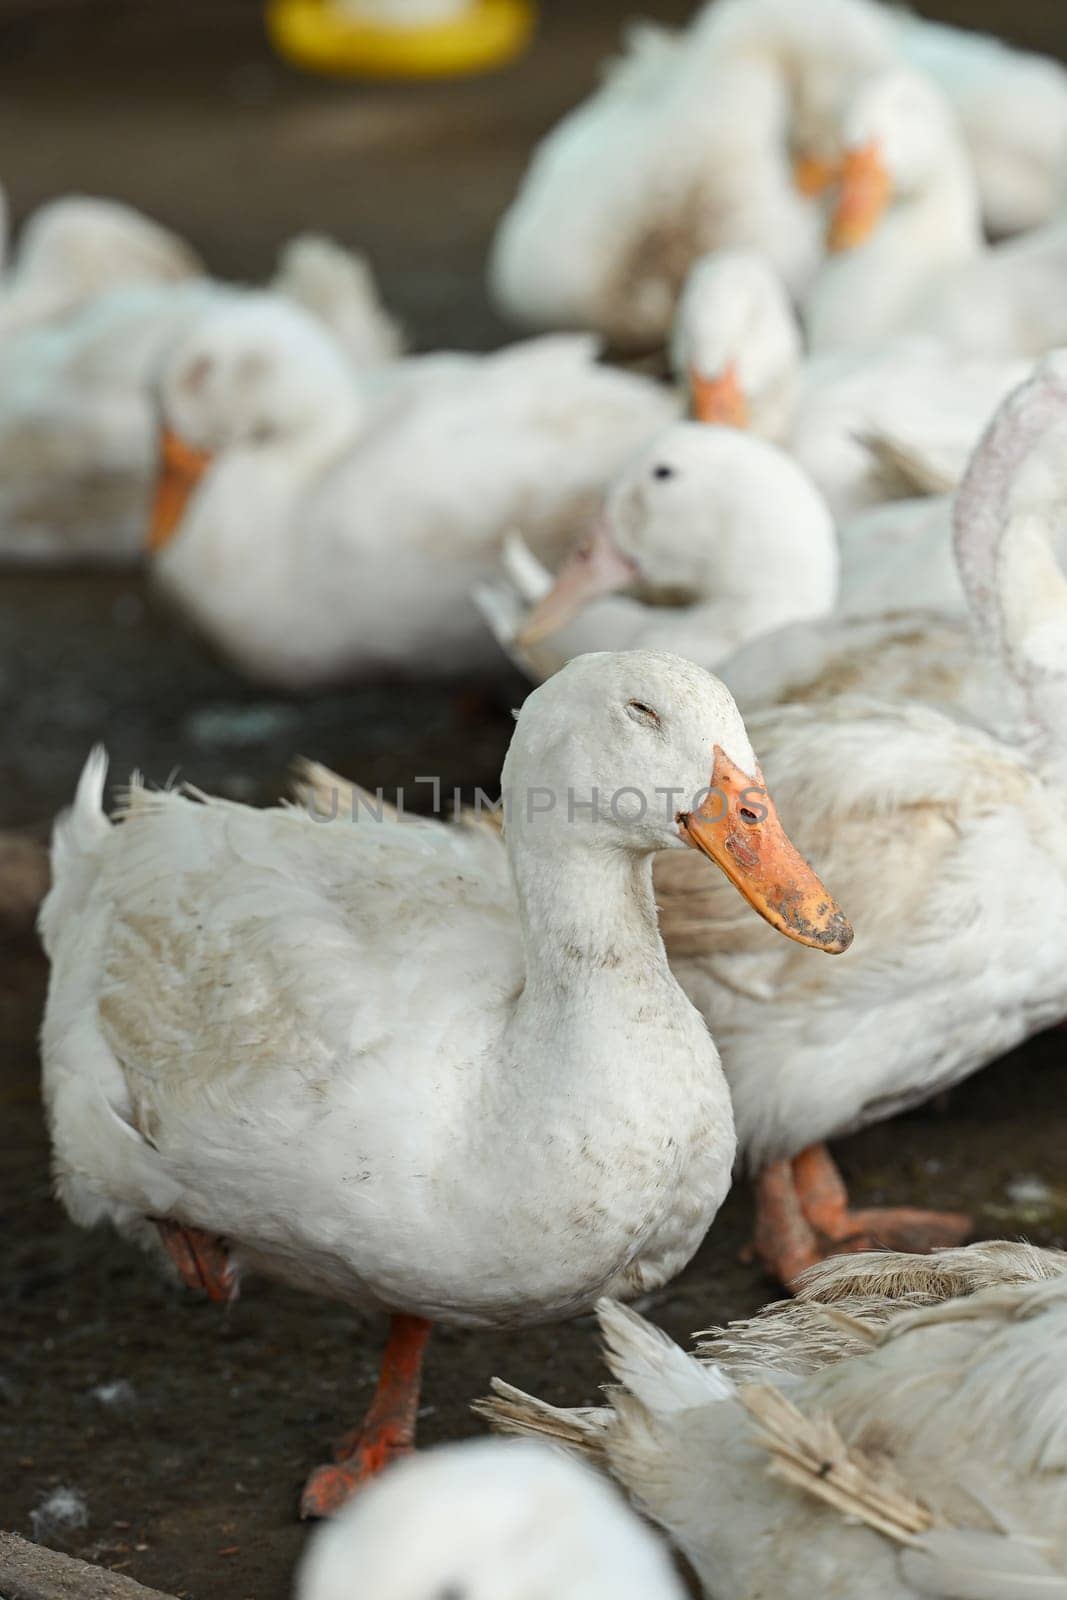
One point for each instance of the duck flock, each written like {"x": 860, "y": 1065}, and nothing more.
{"x": 793, "y": 601}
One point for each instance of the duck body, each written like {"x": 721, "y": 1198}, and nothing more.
{"x": 238, "y": 1036}
{"x": 935, "y": 1419}
{"x": 970, "y": 835}
{"x": 302, "y": 1139}
{"x": 1006, "y": 303}
{"x": 355, "y": 550}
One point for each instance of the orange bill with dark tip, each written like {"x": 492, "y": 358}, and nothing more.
{"x": 181, "y": 467}
{"x": 865, "y": 193}
{"x": 720, "y": 399}
{"x": 596, "y": 567}
{"x": 813, "y": 175}
{"x": 737, "y": 827}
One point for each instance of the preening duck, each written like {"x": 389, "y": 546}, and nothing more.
{"x": 386, "y": 1064}
{"x": 489, "y": 1520}
{"x": 902, "y": 1444}
{"x": 313, "y": 528}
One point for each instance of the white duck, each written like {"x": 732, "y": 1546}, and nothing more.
{"x": 687, "y": 146}
{"x": 894, "y": 1452}
{"x": 906, "y": 215}
{"x": 322, "y": 532}
{"x": 967, "y": 832}
{"x": 708, "y": 537}
{"x": 867, "y": 426}
{"x": 345, "y": 1052}
{"x": 488, "y": 1520}
{"x": 78, "y": 413}
{"x": 72, "y": 250}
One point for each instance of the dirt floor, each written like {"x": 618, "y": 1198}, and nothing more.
{"x": 190, "y": 1470}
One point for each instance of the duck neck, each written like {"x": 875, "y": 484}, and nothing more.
{"x": 587, "y": 911}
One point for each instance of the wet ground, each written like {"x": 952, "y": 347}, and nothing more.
{"x": 190, "y": 1470}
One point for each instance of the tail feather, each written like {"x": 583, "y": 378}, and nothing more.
{"x": 651, "y": 1367}
{"x": 76, "y": 840}
{"x": 582, "y": 1430}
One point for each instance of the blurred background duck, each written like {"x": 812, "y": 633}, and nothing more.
{"x": 906, "y": 213}
{"x": 313, "y": 528}
{"x": 867, "y": 426}
{"x": 78, "y": 412}
{"x": 906, "y": 1437}
{"x": 489, "y": 1519}
{"x": 248, "y": 1009}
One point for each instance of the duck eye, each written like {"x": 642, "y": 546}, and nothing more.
{"x": 663, "y": 471}
{"x": 262, "y": 433}
{"x": 642, "y": 713}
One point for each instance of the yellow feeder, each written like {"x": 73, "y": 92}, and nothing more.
{"x": 326, "y": 36}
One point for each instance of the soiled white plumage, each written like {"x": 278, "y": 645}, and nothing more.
{"x": 933, "y": 1447}
{"x": 488, "y": 1520}
{"x": 338, "y": 1045}
{"x": 78, "y": 412}
{"x": 686, "y": 147}
{"x": 867, "y": 426}
{"x": 339, "y": 533}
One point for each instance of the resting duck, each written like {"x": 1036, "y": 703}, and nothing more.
{"x": 275, "y": 1044}
{"x": 895, "y": 1442}
{"x": 314, "y": 529}
{"x": 78, "y": 414}
{"x": 488, "y": 1520}
{"x": 906, "y": 214}
{"x": 72, "y": 250}
{"x": 687, "y": 146}
{"x": 708, "y": 537}
{"x": 867, "y": 426}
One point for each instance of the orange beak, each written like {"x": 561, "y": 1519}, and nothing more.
{"x": 181, "y": 468}
{"x": 865, "y": 193}
{"x": 597, "y": 567}
{"x": 813, "y": 175}
{"x": 737, "y": 826}
{"x": 720, "y": 399}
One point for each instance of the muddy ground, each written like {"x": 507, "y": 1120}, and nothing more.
{"x": 190, "y": 1473}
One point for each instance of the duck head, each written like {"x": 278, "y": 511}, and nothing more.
{"x": 255, "y": 379}
{"x": 642, "y": 751}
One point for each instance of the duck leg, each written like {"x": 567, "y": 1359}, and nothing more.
{"x": 387, "y": 1431}
{"x": 202, "y": 1259}
{"x": 824, "y": 1200}
{"x": 784, "y": 1241}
